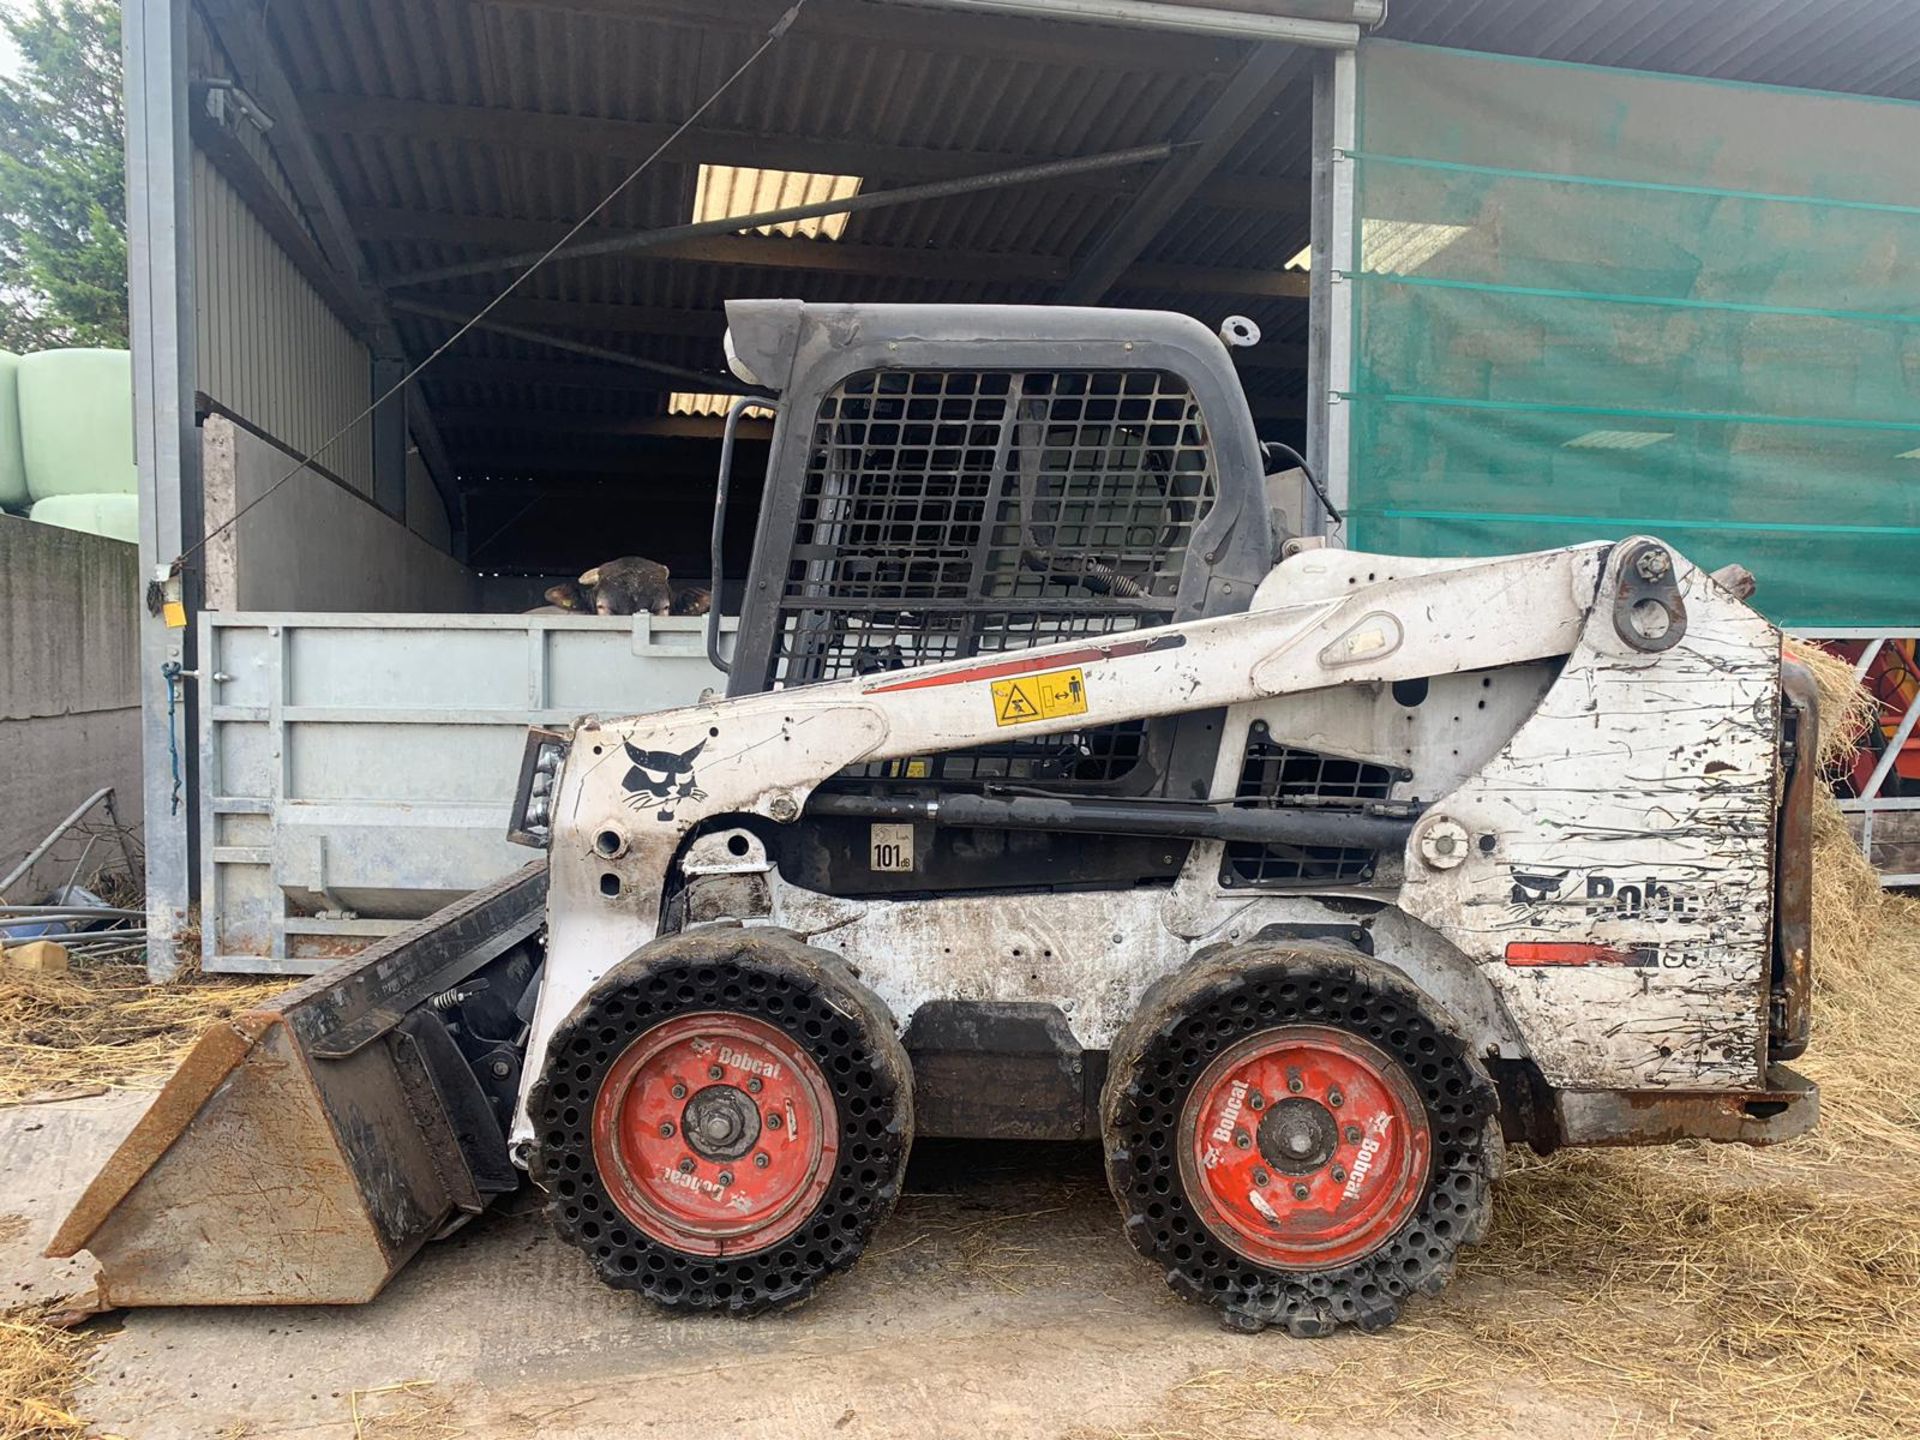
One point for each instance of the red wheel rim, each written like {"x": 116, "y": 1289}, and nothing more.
{"x": 1304, "y": 1147}
{"x": 715, "y": 1133}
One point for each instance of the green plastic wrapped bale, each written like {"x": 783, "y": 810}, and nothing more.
{"x": 13, "y": 464}
{"x": 115, "y": 516}
{"x": 76, "y": 422}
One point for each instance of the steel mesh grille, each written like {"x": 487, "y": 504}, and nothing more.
{"x": 953, "y": 513}
{"x": 1274, "y": 775}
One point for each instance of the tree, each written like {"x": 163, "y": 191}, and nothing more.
{"x": 63, "y": 206}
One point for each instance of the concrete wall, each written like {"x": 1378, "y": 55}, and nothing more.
{"x": 69, "y": 693}
{"x": 311, "y": 544}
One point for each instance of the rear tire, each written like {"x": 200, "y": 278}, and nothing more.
{"x": 1297, "y": 1137}
{"x": 723, "y": 1121}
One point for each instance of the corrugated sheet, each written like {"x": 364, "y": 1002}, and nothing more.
{"x": 269, "y": 348}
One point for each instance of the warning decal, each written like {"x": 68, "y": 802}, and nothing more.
{"x": 1039, "y": 697}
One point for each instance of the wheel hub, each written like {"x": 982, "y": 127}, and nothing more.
{"x": 739, "y": 1164}
{"x": 1319, "y": 1176}
{"x": 1298, "y": 1136}
{"x": 721, "y": 1123}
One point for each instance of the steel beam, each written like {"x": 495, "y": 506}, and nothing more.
{"x": 631, "y": 241}
{"x": 629, "y": 141}
{"x": 701, "y": 379}
{"x": 390, "y": 437}
{"x": 556, "y": 422}
{"x": 1338, "y": 259}
{"x": 837, "y": 257}
{"x": 160, "y": 304}
{"x": 456, "y": 369}
{"x": 1155, "y": 15}
{"x": 708, "y": 325}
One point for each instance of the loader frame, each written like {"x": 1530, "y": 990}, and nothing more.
{"x": 1553, "y": 895}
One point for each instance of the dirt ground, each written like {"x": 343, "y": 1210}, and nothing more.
{"x": 1000, "y": 1300}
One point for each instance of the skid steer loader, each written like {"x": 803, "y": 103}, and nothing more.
{"x": 1054, "y": 796}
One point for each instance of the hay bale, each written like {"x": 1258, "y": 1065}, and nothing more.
{"x": 115, "y": 516}
{"x": 76, "y": 422}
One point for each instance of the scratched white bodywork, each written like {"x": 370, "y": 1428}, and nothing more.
{"x": 1626, "y": 764}
{"x": 1637, "y": 809}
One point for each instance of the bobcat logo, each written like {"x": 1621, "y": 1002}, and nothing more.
{"x": 661, "y": 775}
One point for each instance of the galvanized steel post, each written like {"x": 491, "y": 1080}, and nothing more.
{"x": 166, "y": 448}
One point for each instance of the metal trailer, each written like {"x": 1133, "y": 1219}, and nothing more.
{"x": 356, "y": 769}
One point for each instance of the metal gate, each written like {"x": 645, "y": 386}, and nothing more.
{"x": 357, "y": 769}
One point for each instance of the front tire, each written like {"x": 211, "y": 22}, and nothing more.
{"x": 1298, "y": 1137}
{"x": 723, "y": 1121}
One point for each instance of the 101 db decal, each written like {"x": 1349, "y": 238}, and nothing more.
{"x": 1039, "y": 697}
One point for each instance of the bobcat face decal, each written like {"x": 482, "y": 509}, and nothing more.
{"x": 662, "y": 777}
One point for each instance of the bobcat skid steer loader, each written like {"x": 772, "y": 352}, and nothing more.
{"x": 1055, "y": 796}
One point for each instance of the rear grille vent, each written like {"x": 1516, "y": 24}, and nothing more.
{"x": 1279, "y": 775}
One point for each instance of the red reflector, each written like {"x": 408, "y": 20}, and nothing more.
{"x": 1569, "y": 952}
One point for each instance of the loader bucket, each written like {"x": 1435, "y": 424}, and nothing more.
{"x": 304, "y": 1150}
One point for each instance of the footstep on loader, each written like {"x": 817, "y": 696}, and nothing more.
{"x": 1054, "y": 795}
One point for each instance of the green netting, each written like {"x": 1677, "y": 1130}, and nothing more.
{"x": 1590, "y": 302}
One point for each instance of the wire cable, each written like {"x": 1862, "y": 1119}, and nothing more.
{"x": 779, "y": 28}
{"x": 1305, "y": 469}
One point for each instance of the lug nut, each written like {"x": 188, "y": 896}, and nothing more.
{"x": 1257, "y": 1100}
{"x": 1260, "y": 1177}
{"x": 1240, "y": 1139}
{"x": 1300, "y": 1192}
{"x": 1338, "y": 1174}
{"x": 1296, "y": 1084}
{"x": 760, "y": 1161}
{"x": 1336, "y": 1099}
{"x": 666, "y": 1127}
{"x": 714, "y": 1072}
{"x": 686, "y": 1166}
{"x": 754, "y": 1084}
{"x": 679, "y": 1092}
{"x": 1353, "y": 1134}
{"x": 773, "y": 1120}
{"x": 726, "y": 1177}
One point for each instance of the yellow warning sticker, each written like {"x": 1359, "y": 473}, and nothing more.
{"x": 1039, "y": 697}
{"x": 175, "y": 614}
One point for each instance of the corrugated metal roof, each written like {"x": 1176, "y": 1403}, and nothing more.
{"x": 457, "y": 130}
